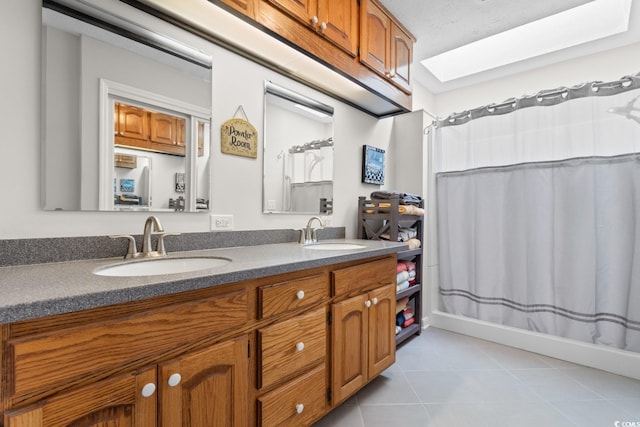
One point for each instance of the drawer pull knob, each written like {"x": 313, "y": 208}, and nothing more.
{"x": 174, "y": 379}
{"x": 299, "y": 408}
{"x": 375, "y": 301}
{"x": 148, "y": 390}
{"x": 323, "y": 26}
{"x": 300, "y": 346}
{"x": 367, "y": 303}
{"x": 300, "y": 294}
{"x": 314, "y": 20}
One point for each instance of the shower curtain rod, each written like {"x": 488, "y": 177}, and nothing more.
{"x": 543, "y": 98}
{"x": 313, "y": 145}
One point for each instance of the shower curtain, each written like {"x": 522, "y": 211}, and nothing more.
{"x": 539, "y": 217}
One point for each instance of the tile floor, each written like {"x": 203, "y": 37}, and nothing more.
{"x": 443, "y": 379}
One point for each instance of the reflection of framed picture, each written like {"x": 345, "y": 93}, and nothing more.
{"x": 127, "y": 185}
{"x": 179, "y": 182}
{"x": 372, "y": 165}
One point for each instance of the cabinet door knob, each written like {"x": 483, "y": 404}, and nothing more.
{"x": 323, "y": 26}
{"x": 148, "y": 389}
{"x": 300, "y": 346}
{"x": 367, "y": 303}
{"x": 314, "y": 20}
{"x": 299, "y": 408}
{"x": 300, "y": 294}
{"x": 375, "y": 301}
{"x": 174, "y": 379}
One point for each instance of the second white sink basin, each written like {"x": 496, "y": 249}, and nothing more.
{"x": 160, "y": 266}
{"x": 335, "y": 246}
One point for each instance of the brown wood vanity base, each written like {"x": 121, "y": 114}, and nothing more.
{"x": 264, "y": 352}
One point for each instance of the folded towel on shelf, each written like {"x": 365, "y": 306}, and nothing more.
{"x": 404, "y": 198}
{"x": 408, "y": 322}
{"x": 402, "y": 276}
{"x": 401, "y": 267}
{"x": 404, "y": 234}
{"x": 398, "y": 329}
{"x": 402, "y": 286}
{"x": 401, "y": 304}
{"x": 407, "y": 313}
{"x": 399, "y": 319}
{"x": 414, "y": 243}
{"x": 409, "y": 265}
{"x": 410, "y": 210}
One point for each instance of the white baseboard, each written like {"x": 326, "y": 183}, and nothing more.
{"x": 595, "y": 356}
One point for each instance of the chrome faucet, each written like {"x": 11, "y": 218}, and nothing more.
{"x": 132, "y": 250}
{"x": 146, "y": 238}
{"x": 308, "y": 234}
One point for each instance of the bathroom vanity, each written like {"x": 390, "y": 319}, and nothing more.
{"x": 278, "y": 336}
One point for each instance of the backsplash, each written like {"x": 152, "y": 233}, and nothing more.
{"x": 36, "y": 251}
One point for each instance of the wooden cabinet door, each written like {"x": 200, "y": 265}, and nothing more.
{"x": 401, "y": 57}
{"x": 132, "y": 122}
{"x": 338, "y": 22}
{"x": 382, "y": 334}
{"x": 349, "y": 347}
{"x": 181, "y": 130}
{"x": 163, "y": 129}
{"x": 114, "y": 402}
{"x": 207, "y": 388}
{"x": 303, "y": 10}
{"x": 375, "y": 34}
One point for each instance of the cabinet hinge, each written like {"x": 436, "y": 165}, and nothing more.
{"x": 249, "y": 349}
{"x": 329, "y": 394}
{"x": 329, "y": 317}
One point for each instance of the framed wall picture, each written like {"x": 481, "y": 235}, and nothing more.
{"x": 372, "y": 165}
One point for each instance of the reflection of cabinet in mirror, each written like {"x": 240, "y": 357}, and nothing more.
{"x": 150, "y": 130}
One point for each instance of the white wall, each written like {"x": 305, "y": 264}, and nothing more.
{"x": 236, "y": 181}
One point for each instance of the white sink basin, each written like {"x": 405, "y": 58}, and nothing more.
{"x": 334, "y": 246}
{"x": 160, "y": 266}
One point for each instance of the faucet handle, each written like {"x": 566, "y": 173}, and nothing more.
{"x": 160, "y": 245}
{"x": 132, "y": 250}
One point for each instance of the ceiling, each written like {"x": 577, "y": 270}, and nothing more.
{"x": 441, "y": 25}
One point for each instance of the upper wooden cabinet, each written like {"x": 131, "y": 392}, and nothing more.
{"x": 337, "y": 20}
{"x": 359, "y": 39}
{"x": 385, "y": 46}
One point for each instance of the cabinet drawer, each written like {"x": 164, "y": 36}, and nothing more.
{"x": 370, "y": 275}
{"x": 297, "y": 403}
{"x": 292, "y": 345}
{"x": 51, "y": 359}
{"x": 287, "y": 296}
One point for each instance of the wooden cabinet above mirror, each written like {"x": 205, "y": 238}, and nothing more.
{"x": 359, "y": 40}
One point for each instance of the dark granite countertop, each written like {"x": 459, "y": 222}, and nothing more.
{"x": 37, "y": 290}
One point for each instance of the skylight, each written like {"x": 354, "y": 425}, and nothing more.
{"x": 591, "y": 21}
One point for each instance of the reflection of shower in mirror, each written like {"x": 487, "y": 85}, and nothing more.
{"x": 316, "y": 160}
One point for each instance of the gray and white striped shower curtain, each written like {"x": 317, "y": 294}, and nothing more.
{"x": 539, "y": 220}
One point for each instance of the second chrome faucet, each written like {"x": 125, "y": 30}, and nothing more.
{"x": 308, "y": 234}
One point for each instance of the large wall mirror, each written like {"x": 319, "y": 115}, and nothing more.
{"x": 298, "y": 153}
{"x": 126, "y": 123}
